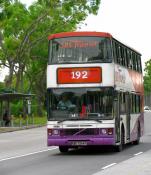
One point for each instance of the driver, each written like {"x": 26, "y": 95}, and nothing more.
{"x": 64, "y": 103}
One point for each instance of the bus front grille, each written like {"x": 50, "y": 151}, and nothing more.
{"x": 81, "y": 131}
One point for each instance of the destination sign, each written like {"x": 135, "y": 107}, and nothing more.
{"x": 79, "y": 75}
{"x": 78, "y": 44}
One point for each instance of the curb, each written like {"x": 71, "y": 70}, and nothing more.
{"x": 12, "y": 129}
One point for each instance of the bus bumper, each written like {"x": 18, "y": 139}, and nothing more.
{"x": 80, "y": 141}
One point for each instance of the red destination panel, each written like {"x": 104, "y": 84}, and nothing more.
{"x": 79, "y": 75}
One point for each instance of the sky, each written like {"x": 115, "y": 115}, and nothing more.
{"x": 127, "y": 20}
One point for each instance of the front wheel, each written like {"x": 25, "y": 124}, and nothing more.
{"x": 63, "y": 149}
{"x": 120, "y": 147}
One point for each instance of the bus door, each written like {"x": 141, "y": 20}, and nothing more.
{"x": 117, "y": 116}
{"x": 128, "y": 115}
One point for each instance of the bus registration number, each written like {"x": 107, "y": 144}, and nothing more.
{"x": 78, "y": 143}
{"x": 79, "y": 75}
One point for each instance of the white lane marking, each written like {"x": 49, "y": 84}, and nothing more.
{"x": 24, "y": 155}
{"x": 108, "y": 166}
{"x": 138, "y": 153}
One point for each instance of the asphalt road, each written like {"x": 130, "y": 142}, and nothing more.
{"x": 25, "y": 152}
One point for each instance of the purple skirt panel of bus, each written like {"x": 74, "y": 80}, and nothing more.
{"x": 73, "y": 137}
{"x": 80, "y": 142}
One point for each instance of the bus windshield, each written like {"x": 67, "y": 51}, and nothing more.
{"x": 80, "y": 103}
{"x": 80, "y": 50}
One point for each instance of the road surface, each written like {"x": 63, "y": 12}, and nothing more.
{"x": 25, "y": 152}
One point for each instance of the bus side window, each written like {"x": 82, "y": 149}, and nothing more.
{"x": 120, "y": 55}
{"x": 134, "y": 61}
{"x": 134, "y": 103}
{"x": 114, "y": 52}
{"x": 126, "y": 57}
{"x": 139, "y": 64}
{"x": 117, "y": 53}
{"x": 130, "y": 59}
{"x": 137, "y": 103}
{"x": 130, "y": 102}
{"x": 122, "y": 103}
{"x": 123, "y": 56}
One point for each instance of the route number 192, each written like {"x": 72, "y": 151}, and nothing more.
{"x": 79, "y": 74}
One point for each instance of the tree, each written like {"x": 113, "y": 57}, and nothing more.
{"x": 23, "y": 37}
{"x": 14, "y": 19}
{"x": 147, "y": 77}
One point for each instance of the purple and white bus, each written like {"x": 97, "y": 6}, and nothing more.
{"x": 94, "y": 91}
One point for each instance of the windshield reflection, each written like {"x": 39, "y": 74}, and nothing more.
{"x": 84, "y": 103}
{"x": 79, "y": 50}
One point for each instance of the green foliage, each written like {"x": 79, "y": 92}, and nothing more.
{"x": 29, "y": 120}
{"x": 147, "y": 77}
{"x": 23, "y": 38}
{"x": 2, "y": 87}
{"x": 16, "y": 108}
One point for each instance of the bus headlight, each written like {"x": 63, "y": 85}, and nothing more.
{"x": 55, "y": 132}
{"x": 49, "y": 132}
{"x": 107, "y": 131}
{"x": 104, "y": 131}
{"x": 110, "y": 131}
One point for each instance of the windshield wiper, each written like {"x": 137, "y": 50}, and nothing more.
{"x": 97, "y": 120}
{"x": 95, "y": 115}
{"x": 75, "y": 118}
{"x": 60, "y": 121}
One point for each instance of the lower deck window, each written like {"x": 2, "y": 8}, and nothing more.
{"x": 80, "y": 103}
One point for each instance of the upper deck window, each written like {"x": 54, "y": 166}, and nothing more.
{"x": 80, "y": 50}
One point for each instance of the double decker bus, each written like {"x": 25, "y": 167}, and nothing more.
{"x": 94, "y": 91}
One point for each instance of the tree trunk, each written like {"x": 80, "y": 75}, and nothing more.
{"x": 40, "y": 107}
{"x": 40, "y": 91}
{"x": 19, "y": 80}
{"x": 8, "y": 81}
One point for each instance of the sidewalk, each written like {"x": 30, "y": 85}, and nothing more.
{"x": 138, "y": 165}
{"x": 11, "y": 129}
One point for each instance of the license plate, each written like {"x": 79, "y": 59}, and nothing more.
{"x": 78, "y": 143}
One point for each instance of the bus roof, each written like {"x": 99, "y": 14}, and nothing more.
{"x": 87, "y": 33}
{"x": 70, "y": 34}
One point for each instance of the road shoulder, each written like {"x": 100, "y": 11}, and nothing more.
{"x": 138, "y": 165}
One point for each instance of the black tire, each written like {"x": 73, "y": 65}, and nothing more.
{"x": 136, "y": 142}
{"x": 120, "y": 147}
{"x": 63, "y": 149}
